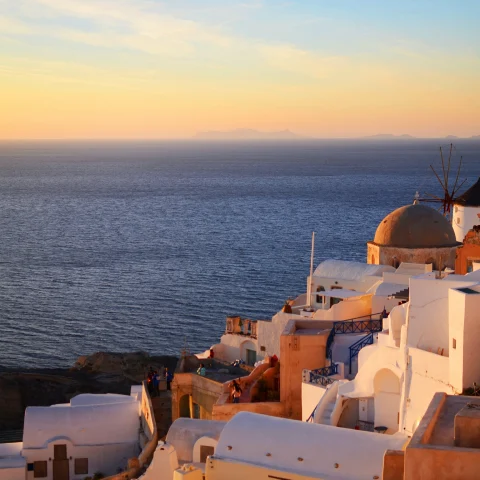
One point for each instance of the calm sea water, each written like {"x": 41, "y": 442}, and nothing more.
{"x": 143, "y": 246}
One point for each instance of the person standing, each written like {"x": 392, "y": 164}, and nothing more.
{"x": 168, "y": 378}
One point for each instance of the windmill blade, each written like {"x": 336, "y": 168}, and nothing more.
{"x": 443, "y": 168}
{"x": 459, "y": 187}
{"x": 458, "y": 174}
{"x": 438, "y": 178}
{"x": 448, "y": 167}
{"x": 433, "y": 197}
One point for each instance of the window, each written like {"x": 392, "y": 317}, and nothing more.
{"x": 81, "y": 466}
{"x": 454, "y": 343}
{"x": 205, "y": 451}
{"x": 319, "y": 297}
{"x": 262, "y": 348}
{"x": 39, "y": 469}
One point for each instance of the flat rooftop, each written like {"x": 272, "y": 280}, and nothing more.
{"x": 443, "y": 431}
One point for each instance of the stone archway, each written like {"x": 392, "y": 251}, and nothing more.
{"x": 386, "y": 386}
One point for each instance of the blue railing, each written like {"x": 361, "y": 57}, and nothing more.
{"x": 357, "y": 346}
{"x": 322, "y": 376}
{"x": 327, "y": 371}
{"x": 367, "y": 324}
{"x": 310, "y": 418}
{"x": 330, "y": 339}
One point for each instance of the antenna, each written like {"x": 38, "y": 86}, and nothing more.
{"x": 448, "y": 192}
{"x": 310, "y": 278}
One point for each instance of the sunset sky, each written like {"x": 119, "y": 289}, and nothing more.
{"x": 169, "y": 69}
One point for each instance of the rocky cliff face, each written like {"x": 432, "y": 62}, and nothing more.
{"x": 98, "y": 373}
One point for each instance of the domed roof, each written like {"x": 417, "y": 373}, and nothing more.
{"x": 415, "y": 226}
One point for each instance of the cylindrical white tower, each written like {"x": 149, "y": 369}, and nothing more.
{"x": 466, "y": 211}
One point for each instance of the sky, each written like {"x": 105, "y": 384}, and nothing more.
{"x": 170, "y": 69}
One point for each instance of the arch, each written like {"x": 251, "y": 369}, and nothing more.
{"x": 204, "y": 447}
{"x": 386, "y": 385}
{"x": 320, "y": 297}
{"x": 248, "y": 352}
{"x": 184, "y": 406}
{"x": 386, "y": 381}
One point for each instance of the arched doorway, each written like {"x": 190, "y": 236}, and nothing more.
{"x": 248, "y": 352}
{"x": 387, "y": 399}
{"x": 184, "y": 406}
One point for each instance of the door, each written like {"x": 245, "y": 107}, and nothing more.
{"x": 251, "y": 357}
{"x": 61, "y": 467}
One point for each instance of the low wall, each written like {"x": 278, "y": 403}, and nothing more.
{"x": 226, "y": 411}
{"x": 149, "y": 426}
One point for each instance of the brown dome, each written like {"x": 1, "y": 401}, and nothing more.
{"x": 415, "y": 226}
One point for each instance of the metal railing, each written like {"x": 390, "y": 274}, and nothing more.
{"x": 359, "y": 326}
{"x": 321, "y": 376}
{"x": 326, "y": 371}
{"x": 320, "y": 379}
{"x": 357, "y": 346}
{"x": 354, "y": 325}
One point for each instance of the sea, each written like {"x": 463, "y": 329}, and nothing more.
{"x": 143, "y": 245}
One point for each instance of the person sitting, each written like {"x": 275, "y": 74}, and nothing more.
{"x": 236, "y": 392}
{"x": 201, "y": 370}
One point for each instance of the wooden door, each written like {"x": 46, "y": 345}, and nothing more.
{"x": 61, "y": 467}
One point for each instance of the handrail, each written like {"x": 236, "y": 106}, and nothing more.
{"x": 312, "y": 415}
{"x": 317, "y": 379}
{"x": 354, "y": 325}
{"x": 357, "y": 346}
{"x": 327, "y": 371}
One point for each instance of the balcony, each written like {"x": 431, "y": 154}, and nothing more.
{"x": 241, "y": 326}
{"x": 321, "y": 376}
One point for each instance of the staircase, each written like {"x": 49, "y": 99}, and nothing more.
{"x": 357, "y": 346}
{"x": 355, "y": 325}
{"x": 162, "y": 409}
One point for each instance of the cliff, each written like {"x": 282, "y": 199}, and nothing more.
{"x": 101, "y": 372}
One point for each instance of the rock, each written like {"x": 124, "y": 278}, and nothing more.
{"x": 98, "y": 373}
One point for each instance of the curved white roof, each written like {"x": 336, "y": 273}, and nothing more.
{"x": 85, "y": 399}
{"x": 345, "y": 270}
{"x": 82, "y": 425}
{"x": 305, "y": 448}
{"x": 184, "y": 432}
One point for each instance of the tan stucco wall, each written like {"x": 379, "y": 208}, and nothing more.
{"x": 298, "y": 352}
{"x": 393, "y": 465}
{"x": 381, "y": 255}
{"x": 226, "y": 411}
{"x": 205, "y": 392}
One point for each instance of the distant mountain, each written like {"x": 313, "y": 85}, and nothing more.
{"x": 451, "y": 136}
{"x": 475, "y": 136}
{"x": 248, "y": 134}
{"x": 389, "y": 136}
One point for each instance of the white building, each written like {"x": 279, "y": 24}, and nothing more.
{"x": 341, "y": 290}
{"x": 427, "y": 345}
{"x": 93, "y": 433}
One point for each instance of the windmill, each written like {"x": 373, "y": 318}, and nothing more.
{"x": 446, "y": 201}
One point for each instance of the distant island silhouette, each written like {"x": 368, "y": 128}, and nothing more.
{"x": 248, "y": 134}
{"x": 388, "y": 136}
